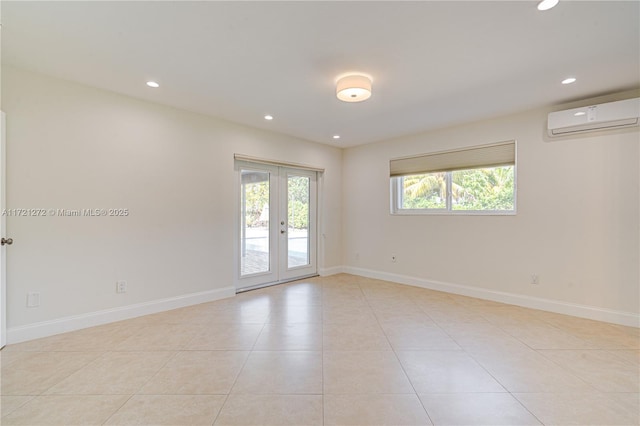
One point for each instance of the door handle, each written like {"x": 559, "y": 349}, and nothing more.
{"x": 7, "y": 241}
{"x": 282, "y": 231}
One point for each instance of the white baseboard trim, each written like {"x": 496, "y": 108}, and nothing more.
{"x": 583, "y": 311}
{"x": 91, "y": 319}
{"x": 325, "y": 272}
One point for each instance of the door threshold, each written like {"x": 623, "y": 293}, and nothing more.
{"x": 256, "y": 287}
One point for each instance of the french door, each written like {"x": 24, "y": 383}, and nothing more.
{"x": 277, "y": 235}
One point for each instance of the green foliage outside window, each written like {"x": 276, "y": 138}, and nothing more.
{"x": 256, "y": 201}
{"x": 489, "y": 189}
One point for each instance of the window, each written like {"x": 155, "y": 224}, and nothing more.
{"x": 477, "y": 180}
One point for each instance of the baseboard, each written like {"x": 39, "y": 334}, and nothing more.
{"x": 91, "y": 319}
{"x": 325, "y": 272}
{"x": 583, "y": 311}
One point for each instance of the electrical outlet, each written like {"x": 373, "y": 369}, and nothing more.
{"x": 121, "y": 286}
{"x": 33, "y": 299}
{"x": 535, "y": 279}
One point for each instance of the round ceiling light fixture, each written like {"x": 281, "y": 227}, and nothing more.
{"x": 547, "y": 4}
{"x": 353, "y": 88}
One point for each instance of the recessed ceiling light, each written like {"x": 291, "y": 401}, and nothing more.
{"x": 579, "y": 113}
{"x": 547, "y": 4}
{"x": 336, "y": 136}
{"x": 569, "y": 80}
{"x": 152, "y": 84}
{"x": 268, "y": 117}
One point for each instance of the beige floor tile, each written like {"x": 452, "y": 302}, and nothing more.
{"x": 480, "y": 330}
{"x": 32, "y": 374}
{"x": 408, "y": 337}
{"x": 465, "y": 353}
{"x": 170, "y": 410}
{"x": 160, "y": 337}
{"x": 226, "y": 337}
{"x": 114, "y": 373}
{"x": 547, "y": 337}
{"x": 474, "y": 302}
{"x": 598, "y": 368}
{"x": 364, "y": 372}
{"x": 354, "y": 337}
{"x": 11, "y": 403}
{"x": 394, "y": 305}
{"x": 476, "y": 409}
{"x": 348, "y": 315}
{"x": 300, "y": 294}
{"x": 452, "y": 313}
{"x": 498, "y": 346}
{"x": 530, "y": 373}
{"x": 290, "y": 337}
{"x": 583, "y": 409}
{"x": 197, "y": 373}
{"x": 373, "y": 410}
{"x": 384, "y": 292}
{"x": 446, "y": 371}
{"x": 295, "y": 315}
{"x": 103, "y": 338}
{"x": 347, "y": 301}
{"x": 34, "y": 345}
{"x": 403, "y": 318}
{"x": 69, "y": 410}
{"x": 602, "y": 335}
{"x": 98, "y": 338}
{"x": 8, "y": 357}
{"x": 630, "y": 356}
{"x": 341, "y": 291}
{"x": 279, "y": 372}
{"x": 272, "y": 410}
{"x": 509, "y": 315}
{"x": 245, "y": 312}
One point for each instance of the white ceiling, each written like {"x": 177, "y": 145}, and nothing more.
{"x": 433, "y": 64}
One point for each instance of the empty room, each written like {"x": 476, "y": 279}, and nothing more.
{"x": 320, "y": 213}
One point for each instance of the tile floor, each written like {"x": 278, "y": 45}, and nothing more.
{"x": 333, "y": 350}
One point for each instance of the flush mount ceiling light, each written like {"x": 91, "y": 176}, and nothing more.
{"x": 353, "y": 88}
{"x": 268, "y": 117}
{"x": 153, "y": 84}
{"x": 569, "y": 80}
{"x": 547, "y": 4}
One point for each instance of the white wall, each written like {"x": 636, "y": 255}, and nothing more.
{"x": 75, "y": 147}
{"x": 577, "y": 221}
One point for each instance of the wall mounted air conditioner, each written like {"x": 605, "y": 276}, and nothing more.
{"x": 612, "y": 115}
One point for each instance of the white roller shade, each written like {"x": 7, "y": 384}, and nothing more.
{"x": 494, "y": 155}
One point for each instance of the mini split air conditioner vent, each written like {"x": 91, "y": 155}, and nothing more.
{"x": 612, "y": 115}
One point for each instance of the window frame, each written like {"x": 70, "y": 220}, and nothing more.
{"x": 396, "y": 192}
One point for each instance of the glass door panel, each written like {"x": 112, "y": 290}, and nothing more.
{"x": 254, "y": 233}
{"x": 298, "y": 208}
{"x": 298, "y": 221}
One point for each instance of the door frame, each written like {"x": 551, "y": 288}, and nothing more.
{"x": 245, "y": 162}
